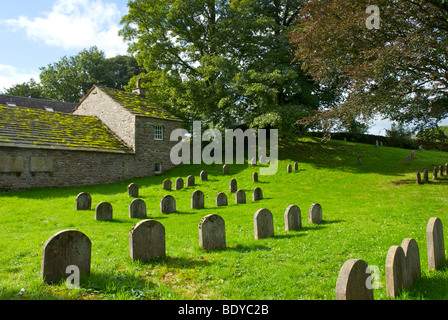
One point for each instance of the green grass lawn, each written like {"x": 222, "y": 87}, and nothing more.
{"x": 367, "y": 208}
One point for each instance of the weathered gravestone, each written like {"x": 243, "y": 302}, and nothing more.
{"x": 203, "y": 175}
{"x": 166, "y": 184}
{"x": 137, "y": 209}
{"x": 257, "y": 194}
{"x": 233, "y": 185}
{"x": 408, "y": 159}
{"x": 225, "y": 170}
{"x": 168, "y": 204}
{"x": 63, "y": 249}
{"x": 441, "y": 171}
{"x": 296, "y": 166}
{"x": 197, "y": 200}
{"x": 289, "y": 168}
{"x": 293, "y": 219}
{"x": 315, "y": 213}
{"x": 395, "y": 271}
{"x": 446, "y": 168}
{"x": 418, "y": 178}
{"x": 263, "y": 224}
{"x": 221, "y": 199}
{"x": 103, "y": 211}
{"x": 255, "y": 177}
{"x": 190, "y": 181}
{"x": 434, "y": 173}
{"x": 83, "y": 201}
{"x": 133, "y": 190}
{"x": 212, "y": 233}
{"x": 359, "y": 159}
{"x": 435, "y": 244}
{"x": 352, "y": 279}
{"x": 412, "y": 255}
{"x": 425, "y": 176}
{"x": 147, "y": 240}
{"x": 413, "y": 154}
{"x": 240, "y": 197}
{"x": 263, "y": 160}
{"x": 179, "y": 184}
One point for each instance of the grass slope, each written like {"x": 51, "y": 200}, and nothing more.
{"x": 367, "y": 208}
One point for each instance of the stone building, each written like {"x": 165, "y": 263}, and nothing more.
{"x": 110, "y": 136}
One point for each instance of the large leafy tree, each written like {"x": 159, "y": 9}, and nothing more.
{"x": 222, "y": 61}
{"x": 399, "y": 70}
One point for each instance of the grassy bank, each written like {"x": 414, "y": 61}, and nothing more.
{"x": 367, "y": 208}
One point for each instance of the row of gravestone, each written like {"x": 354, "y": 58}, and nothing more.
{"x": 402, "y": 266}
{"x": 137, "y": 207}
{"x": 438, "y": 170}
{"x": 147, "y": 240}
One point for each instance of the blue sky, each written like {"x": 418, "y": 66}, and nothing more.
{"x": 34, "y": 34}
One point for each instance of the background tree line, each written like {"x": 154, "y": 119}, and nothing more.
{"x": 289, "y": 64}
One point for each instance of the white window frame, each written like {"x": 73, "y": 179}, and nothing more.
{"x": 159, "y": 164}
{"x": 158, "y": 132}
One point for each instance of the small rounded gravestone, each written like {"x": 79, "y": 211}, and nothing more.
{"x": 395, "y": 271}
{"x": 352, "y": 279}
{"x": 197, "y": 200}
{"x": 221, "y": 199}
{"x": 225, "y": 169}
{"x": 147, "y": 240}
{"x": 83, "y": 201}
{"x": 166, "y": 184}
{"x": 315, "y": 213}
{"x": 296, "y": 166}
{"x": 240, "y": 197}
{"x": 168, "y": 204}
{"x": 289, "y": 168}
{"x": 63, "y": 249}
{"x": 179, "y": 184}
{"x": 418, "y": 178}
{"x": 103, "y": 211}
{"x": 255, "y": 177}
{"x": 190, "y": 181}
{"x": 411, "y": 252}
{"x": 293, "y": 219}
{"x": 233, "y": 186}
{"x": 425, "y": 176}
{"x": 263, "y": 224}
{"x": 133, "y": 190}
{"x": 257, "y": 194}
{"x": 435, "y": 244}
{"x": 212, "y": 233}
{"x": 137, "y": 209}
{"x": 203, "y": 175}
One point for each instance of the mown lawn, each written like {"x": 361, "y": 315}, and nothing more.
{"x": 367, "y": 208}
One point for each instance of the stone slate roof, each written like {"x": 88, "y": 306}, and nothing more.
{"x": 30, "y": 128}
{"x": 37, "y": 103}
{"x": 138, "y": 105}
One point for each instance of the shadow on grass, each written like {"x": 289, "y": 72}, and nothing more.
{"x": 247, "y": 248}
{"x": 433, "y": 287}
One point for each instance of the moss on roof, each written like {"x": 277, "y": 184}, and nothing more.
{"x": 138, "y": 105}
{"x": 31, "y": 128}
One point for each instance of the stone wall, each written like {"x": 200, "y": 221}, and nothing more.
{"x": 22, "y": 168}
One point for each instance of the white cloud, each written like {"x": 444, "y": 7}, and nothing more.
{"x": 10, "y": 76}
{"x": 76, "y": 24}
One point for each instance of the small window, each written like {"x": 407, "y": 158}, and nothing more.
{"x": 158, "y": 132}
{"x": 49, "y": 108}
{"x": 158, "y": 167}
